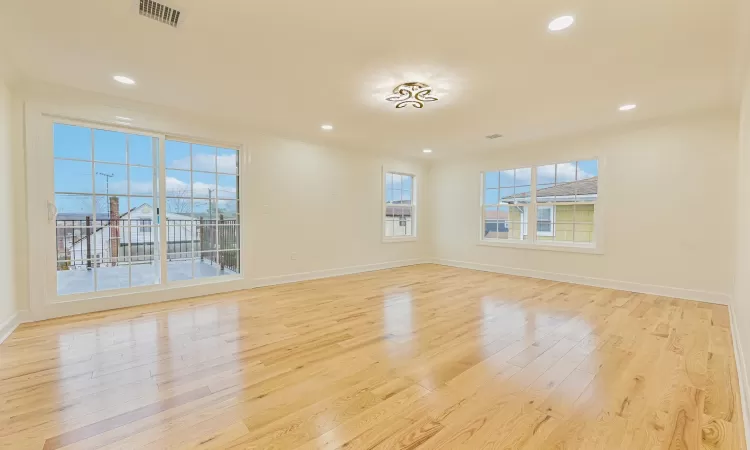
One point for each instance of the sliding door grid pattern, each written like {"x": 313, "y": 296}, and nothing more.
{"x": 418, "y": 357}
{"x": 108, "y": 222}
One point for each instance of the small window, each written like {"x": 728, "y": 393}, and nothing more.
{"x": 399, "y": 211}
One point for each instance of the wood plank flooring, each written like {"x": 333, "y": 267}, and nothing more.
{"x": 420, "y": 357}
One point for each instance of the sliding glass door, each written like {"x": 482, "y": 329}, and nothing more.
{"x": 112, "y": 216}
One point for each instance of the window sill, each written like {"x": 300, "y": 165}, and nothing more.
{"x": 556, "y": 247}
{"x": 395, "y": 240}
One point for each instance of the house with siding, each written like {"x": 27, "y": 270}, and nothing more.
{"x": 565, "y": 212}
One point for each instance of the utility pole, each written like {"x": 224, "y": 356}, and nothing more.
{"x": 108, "y": 175}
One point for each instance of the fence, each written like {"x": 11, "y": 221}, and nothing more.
{"x": 83, "y": 243}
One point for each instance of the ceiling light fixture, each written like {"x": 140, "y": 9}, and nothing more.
{"x": 629, "y": 107}
{"x": 123, "y": 118}
{"x": 427, "y": 150}
{"x": 412, "y": 93}
{"x": 123, "y": 79}
{"x": 561, "y": 23}
{"x": 327, "y": 127}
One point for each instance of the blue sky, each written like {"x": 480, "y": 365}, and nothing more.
{"x": 514, "y": 181}
{"x": 398, "y": 188}
{"x": 111, "y": 150}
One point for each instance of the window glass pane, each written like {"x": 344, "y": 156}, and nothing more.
{"x": 207, "y": 265}
{"x": 491, "y": 196}
{"x": 545, "y": 175}
{"x": 507, "y": 195}
{"x": 204, "y": 185}
{"x": 182, "y": 237}
{"x": 110, "y": 146}
{"x": 588, "y": 169}
{"x": 227, "y": 160}
{"x": 177, "y": 155}
{"x": 544, "y": 214}
{"x": 178, "y": 183}
{"x": 140, "y": 150}
{"x": 74, "y": 207}
{"x": 141, "y": 181}
{"x": 71, "y": 141}
{"x": 523, "y": 177}
{"x": 389, "y": 181}
{"x": 228, "y": 235}
{"x": 204, "y": 158}
{"x": 406, "y": 183}
{"x": 566, "y": 172}
{"x": 491, "y": 180}
{"x": 74, "y": 278}
{"x": 205, "y": 210}
{"x": 179, "y": 267}
{"x": 229, "y": 262}
{"x": 111, "y": 179}
{"x": 507, "y": 178}
{"x": 141, "y": 208}
{"x": 406, "y": 197}
{"x": 179, "y": 206}
{"x": 110, "y": 208}
{"x": 522, "y": 194}
{"x": 73, "y": 176}
{"x": 229, "y": 209}
{"x": 228, "y": 186}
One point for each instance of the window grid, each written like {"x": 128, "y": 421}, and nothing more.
{"x": 400, "y": 206}
{"x": 213, "y": 232}
{"x": 89, "y": 236}
{"x": 564, "y": 215}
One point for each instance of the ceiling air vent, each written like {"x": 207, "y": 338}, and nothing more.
{"x": 160, "y": 12}
{"x": 494, "y": 136}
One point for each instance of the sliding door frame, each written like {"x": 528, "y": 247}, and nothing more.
{"x": 42, "y": 262}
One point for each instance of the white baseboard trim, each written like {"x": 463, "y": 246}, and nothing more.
{"x": 667, "y": 291}
{"x": 10, "y": 325}
{"x": 744, "y": 382}
{"x": 328, "y": 273}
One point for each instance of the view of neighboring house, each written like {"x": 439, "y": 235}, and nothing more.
{"x": 134, "y": 233}
{"x": 569, "y": 222}
{"x": 398, "y": 218}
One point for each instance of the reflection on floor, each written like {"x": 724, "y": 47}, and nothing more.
{"x": 82, "y": 280}
{"x": 417, "y": 357}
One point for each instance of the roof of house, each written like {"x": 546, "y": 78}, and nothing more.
{"x": 589, "y": 186}
{"x": 496, "y": 215}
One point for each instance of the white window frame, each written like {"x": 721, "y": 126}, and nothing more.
{"x": 384, "y": 206}
{"x": 530, "y": 210}
{"x": 551, "y": 232}
{"x": 43, "y": 298}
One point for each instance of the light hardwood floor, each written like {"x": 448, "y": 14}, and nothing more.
{"x": 419, "y": 357}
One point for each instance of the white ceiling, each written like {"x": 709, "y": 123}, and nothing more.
{"x": 288, "y": 66}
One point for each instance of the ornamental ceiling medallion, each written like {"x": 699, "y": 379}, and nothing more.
{"x": 413, "y": 93}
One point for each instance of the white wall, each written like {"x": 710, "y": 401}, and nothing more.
{"x": 8, "y": 266}
{"x": 322, "y": 204}
{"x": 668, "y": 193}
{"x": 741, "y": 299}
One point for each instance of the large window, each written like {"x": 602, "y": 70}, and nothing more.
{"x": 110, "y": 230}
{"x": 562, "y": 197}
{"x": 399, "y": 210}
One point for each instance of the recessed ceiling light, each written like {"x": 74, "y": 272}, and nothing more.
{"x": 327, "y": 127}
{"x": 120, "y": 122}
{"x": 561, "y": 23}
{"x": 123, "y": 79}
{"x": 427, "y": 150}
{"x": 123, "y": 118}
{"x": 629, "y": 107}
